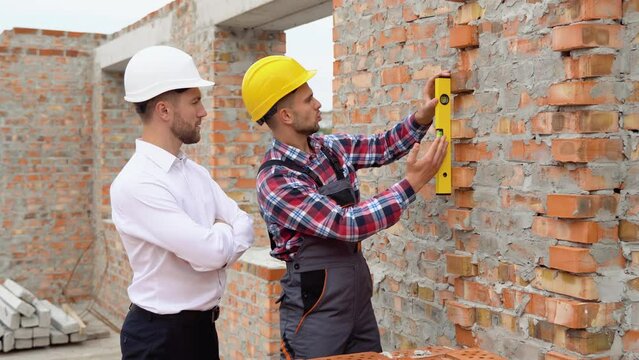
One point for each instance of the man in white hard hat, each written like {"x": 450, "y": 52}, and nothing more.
{"x": 308, "y": 194}
{"x": 179, "y": 229}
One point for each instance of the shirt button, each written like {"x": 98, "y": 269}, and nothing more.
{"x": 296, "y": 266}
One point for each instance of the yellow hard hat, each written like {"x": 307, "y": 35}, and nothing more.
{"x": 270, "y": 79}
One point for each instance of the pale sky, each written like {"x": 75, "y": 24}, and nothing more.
{"x": 310, "y": 44}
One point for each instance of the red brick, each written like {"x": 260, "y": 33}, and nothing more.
{"x": 572, "y": 11}
{"x": 630, "y": 6}
{"x": 631, "y": 341}
{"x": 579, "y": 315}
{"x": 464, "y": 198}
{"x": 56, "y": 33}
{"x": 463, "y": 176}
{"x": 587, "y": 342}
{"x": 589, "y": 179}
{"x": 526, "y": 46}
{"x": 588, "y": 66}
{"x": 631, "y": 121}
{"x": 467, "y": 59}
{"x": 463, "y": 81}
{"x": 459, "y": 264}
{"x": 51, "y": 52}
{"x": 571, "y": 259}
{"x": 464, "y": 337}
{"x": 583, "y": 36}
{"x": 587, "y": 150}
{"x": 459, "y": 219}
{"x": 362, "y": 80}
{"x": 628, "y": 231}
{"x": 395, "y": 75}
{"x": 582, "y": 287}
{"x": 581, "y": 93}
{"x": 476, "y": 292}
{"x": 392, "y": 36}
{"x": 460, "y": 314}
{"x": 465, "y": 103}
{"x": 634, "y": 96}
{"x": 579, "y": 206}
{"x": 472, "y": 354}
{"x": 516, "y": 200}
{"x": 472, "y": 152}
{"x": 464, "y": 36}
{"x": 25, "y": 31}
{"x": 510, "y": 126}
{"x": 586, "y": 232}
{"x": 421, "y": 31}
{"x": 468, "y": 12}
{"x": 575, "y": 122}
{"x": 529, "y": 151}
{"x": 462, "y": 129}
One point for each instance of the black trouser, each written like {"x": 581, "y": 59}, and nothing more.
{"x": 185, "y": 335}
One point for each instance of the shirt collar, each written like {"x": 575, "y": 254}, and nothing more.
{"x": 294, "y": 153}
{"x": 159, "y": 156}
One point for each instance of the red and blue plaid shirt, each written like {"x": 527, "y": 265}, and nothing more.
{"x": 292, "y": 207}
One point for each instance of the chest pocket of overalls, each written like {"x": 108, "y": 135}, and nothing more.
{"x": 341, "y": 190}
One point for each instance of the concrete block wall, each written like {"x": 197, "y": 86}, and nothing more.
{"x": 46, "y": 156}
{"x": 534, "y": 255}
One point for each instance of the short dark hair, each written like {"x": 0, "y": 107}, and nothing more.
{"x": 142, "y": 107}
{"x": 269, "y": 114}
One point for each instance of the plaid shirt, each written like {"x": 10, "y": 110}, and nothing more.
{"x": 293, "y": 208}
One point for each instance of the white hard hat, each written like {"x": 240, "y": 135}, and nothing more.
{"x": 158, "y": 69}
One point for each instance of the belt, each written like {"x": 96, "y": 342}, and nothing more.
{"x": 213, "y": 314}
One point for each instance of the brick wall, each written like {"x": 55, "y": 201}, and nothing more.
{"x": 249, "y": 322}
{"x": 46, "y": 155}
{"x": 534, "y": 255}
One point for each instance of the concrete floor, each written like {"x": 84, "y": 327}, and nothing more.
{"x": 97, "y": 349}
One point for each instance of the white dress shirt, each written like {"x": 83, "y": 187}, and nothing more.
{"x": 165, "y": 209}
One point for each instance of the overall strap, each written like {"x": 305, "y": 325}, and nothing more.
{"x": 334, "y": 162}
{"x": 293, "y": 166}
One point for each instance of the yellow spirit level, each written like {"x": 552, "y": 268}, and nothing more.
{"x": 443, "y": 183}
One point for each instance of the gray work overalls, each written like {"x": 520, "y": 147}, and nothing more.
{"x": 325, "y": 307}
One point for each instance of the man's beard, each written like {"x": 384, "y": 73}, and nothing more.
{"x": 308, "y": 129}
{"x": 185, "y": 132}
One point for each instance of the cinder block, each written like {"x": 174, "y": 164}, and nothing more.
{"x": 41, "y": 332}
{"x": 44, "y": 314}
{"x": 22, "y": 344}
{"x": 60, "y": 319}
{"x": 20, "y": 305}
{"x": 8, "y": 340}
{"x": 9, "y": 316}
{"x": 19, "y": 291}
{"x": 77, "y": 336}
{"x": 57, "y": 337}
{"x": 29, "y": 321}
{"x": 41, "y": 341}
{"x": 23, "y": 333}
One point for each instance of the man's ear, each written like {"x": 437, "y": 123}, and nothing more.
{"x": 163, "y": 109}
{"x": 285, "y": 115}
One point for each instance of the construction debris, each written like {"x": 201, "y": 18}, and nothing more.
{"x": 26, "y": 322}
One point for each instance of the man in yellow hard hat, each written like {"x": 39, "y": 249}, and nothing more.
{"x": 308, "y": 195}
{"x": 179, "y": 229}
